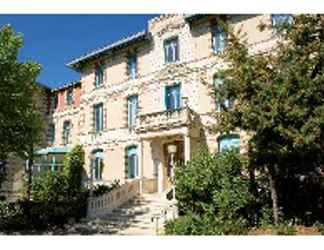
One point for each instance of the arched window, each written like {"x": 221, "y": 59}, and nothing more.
{"x": 97, "y": 164}
{"x": 221, "y": 95}
{"x": 131, "y": 162}
{"x": 227, "y": 142}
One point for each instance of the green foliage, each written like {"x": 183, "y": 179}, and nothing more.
{"x": 192, "y": 224}
{"x": 20, "y": 116}
{"x": 213, "y": 196}
{"x": 279, "y": 100}
{"x": 50, "y": 187}
{"x": 11, "y": 216}
{"x": 102, "y": 189}
{"x": 73, "y": 167}
{"x": 212, "y": 184}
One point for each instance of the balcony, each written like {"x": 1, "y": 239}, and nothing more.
{"x": 164, "y": 120}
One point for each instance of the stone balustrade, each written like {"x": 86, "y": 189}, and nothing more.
{"x": 164, "y": 120}
{"x": 107, "y": 203}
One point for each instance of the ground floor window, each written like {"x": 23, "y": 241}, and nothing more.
{"x": 227, "y": 142}
{"x": 131, "y": 162}
{"x": 97, "y": 165}
{"x": 48, "y": 162}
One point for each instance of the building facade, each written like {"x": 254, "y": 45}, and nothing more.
{"x": 148, "y": 100}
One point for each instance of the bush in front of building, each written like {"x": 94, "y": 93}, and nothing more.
{"x": 213, "y": 196}
{"x": 73, "y": 168}
{"x": 103, "y": 189}
{"x": 57, "y": 198}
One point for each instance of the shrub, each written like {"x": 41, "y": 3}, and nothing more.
{"x": 212, "y": 184}
{"x": 50, "y": 187}
{"x": 11, "y": 216}
{"x": 73, "y": 167}
{"x": 192, "y": 224}
{"x": 102, "y": 189}
{"x": 212, "y": 195}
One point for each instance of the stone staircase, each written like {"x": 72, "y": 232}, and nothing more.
{"x": 143, "y": 215}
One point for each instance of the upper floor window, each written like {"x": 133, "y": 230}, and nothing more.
{"x": 98, "y": 117}
{"x": 173, "y": 97}
{"x": 228, "y": 142}
{"x": 97, "y": 165}
{"x": 69, "y": 96}
{"x": 131, "y": 162}
{"x": 51, "y": 134}
{"x": 222, "y": 99}
{"x": 132, "y": 66}
{"x": 54, "y": 101}
{"x": 99, "y": 73}
{"x": 132, "y": 107}
{"x": 171, "y": 50}
{"x": 219, "y": 39}
{"x": 281, "y": 19}
{"x": 66, "y": 132}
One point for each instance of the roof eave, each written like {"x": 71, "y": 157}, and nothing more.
{"x": 77, "y": 63}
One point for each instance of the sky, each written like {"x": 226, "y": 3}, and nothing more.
{"x": 53, "y": 40}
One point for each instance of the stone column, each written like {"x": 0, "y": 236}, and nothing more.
{"x": 187, "y": 152}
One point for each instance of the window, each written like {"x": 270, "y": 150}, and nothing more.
{"x": 98, "y": 76}
{"x": 172, "y": 97}
{"x": 132, "y": 104}
{"x": 171, "y": 50}
{"x": 228, "y": 142}
{"x": 98, "y": 117}
{"x": 219, "y": 39}
{"x": 132, "y": 66}
{"x": 66, "y": 132}
{"x": 131, "y": 162}
{"x": 97, "y": 165}
{"x": 54, "y": 101}
{"x": 281, "y": 19}
{"x": 221, "y": 96}
{"x": 51, "y": 134}
{"x": 69, "y": 96}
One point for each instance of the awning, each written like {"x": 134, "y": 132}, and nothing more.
{"x": 53, "y": 150}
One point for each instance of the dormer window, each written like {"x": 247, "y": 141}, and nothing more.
{"x": 98, "y": 76}
{"x": 219, "y": 39}
{"x": 171, "y": 50}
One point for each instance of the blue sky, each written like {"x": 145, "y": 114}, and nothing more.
{"x": 53, "y": 40}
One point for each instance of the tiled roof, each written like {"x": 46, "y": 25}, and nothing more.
{"x": 104, "y": 49}
{"x": 66, "y": 85}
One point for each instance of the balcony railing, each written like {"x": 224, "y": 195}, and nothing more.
{"x": 166, "y": 119}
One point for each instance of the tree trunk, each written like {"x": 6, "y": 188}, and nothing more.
{"x": 274, "y": 197}
{"x": 29, "y": 178}
{"x": 30, "y": 172}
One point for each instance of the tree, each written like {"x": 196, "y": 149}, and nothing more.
{"x": 20, "y": 116}
{"x": 73, "y": 169}
{"x": 279, "y": 100}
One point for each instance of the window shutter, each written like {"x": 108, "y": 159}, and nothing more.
{"x": 126, "y": 163}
